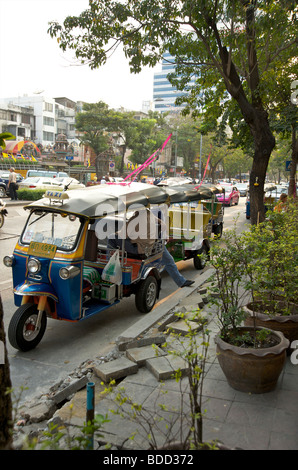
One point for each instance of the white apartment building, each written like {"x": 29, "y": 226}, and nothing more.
{"x": 18, "y": 120}
{"x": 51, "y": 116}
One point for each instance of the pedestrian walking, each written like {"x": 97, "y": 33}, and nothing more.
{"x": 12, "y": 185}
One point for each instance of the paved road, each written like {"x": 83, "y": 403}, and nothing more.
{"x": 66, "y": 345}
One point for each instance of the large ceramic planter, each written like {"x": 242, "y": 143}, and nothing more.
{"x": 287, "y": 324}
{"x": 252, "y": 370}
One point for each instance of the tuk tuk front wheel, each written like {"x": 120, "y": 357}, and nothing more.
{"x": 200, "y": 261}
{"x": 23, "y": 333}
{"x": 146, "y": 294}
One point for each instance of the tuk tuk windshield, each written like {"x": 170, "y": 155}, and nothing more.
{"x": 58, "y": 229}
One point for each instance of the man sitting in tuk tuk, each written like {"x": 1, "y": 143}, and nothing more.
{"x": 141, "y": 234}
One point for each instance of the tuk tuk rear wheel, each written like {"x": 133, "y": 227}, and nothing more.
{"x": 218, "y": 230}
{"x": 1, "y": 220}
{"x": 200, "y": 261}
{"x": 146, "y": 294}
{"x": 22, "y": 332}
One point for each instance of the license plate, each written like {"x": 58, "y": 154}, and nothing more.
{"x": 45, "y": 250}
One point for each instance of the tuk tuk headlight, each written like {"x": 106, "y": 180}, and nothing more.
{"x": 34, "y": 265}
{"x": 9, "y": 261}
{"x": 69, "y": 272}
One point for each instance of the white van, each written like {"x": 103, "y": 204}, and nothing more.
{"x": 48, "y": 174}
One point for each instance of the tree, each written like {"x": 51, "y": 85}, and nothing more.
{"x": 124, "y": 125}
{"x": 236, "y": 163}
{"x": 147, "y": 139}
{"x": 277, "y": 164}
{"x": 284, "y": 117}
{"x": 92, "y": 123}
{"x": 230, "y": 46}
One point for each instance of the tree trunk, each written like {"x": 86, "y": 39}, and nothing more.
{"x": 264, "y": 144}
{"x": 99, "y": 175}
{"x": 5, "y": 398}
{"x": 122, "y": 160}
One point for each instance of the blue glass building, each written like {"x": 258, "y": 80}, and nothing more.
{"x": 164, "y": 94}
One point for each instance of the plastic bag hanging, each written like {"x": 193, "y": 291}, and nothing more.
{"x": 112, "y": 272}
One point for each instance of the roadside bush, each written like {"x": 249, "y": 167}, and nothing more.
{"x": 30, "y": 194}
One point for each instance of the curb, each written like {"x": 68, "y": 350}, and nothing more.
{"x": 15, "y": 203}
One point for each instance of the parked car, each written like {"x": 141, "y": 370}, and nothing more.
{"x": 242, "y": 188}
{"x": 230, "y": 196}
{"x": 50, "y": 183}
{"x": 4, "y": 176}
{"x": 71, "y": 183}
{"x": 38, "y": 182}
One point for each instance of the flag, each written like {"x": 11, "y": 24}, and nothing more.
{"x": 5, "y": 155}
{"x": 33, "y": 159}
{"x": 88, "y": 163}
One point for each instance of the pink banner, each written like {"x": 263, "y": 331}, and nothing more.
{"x": 148, "y": 161}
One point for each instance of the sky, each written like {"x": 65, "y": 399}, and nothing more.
{"x": 31, "y": 61}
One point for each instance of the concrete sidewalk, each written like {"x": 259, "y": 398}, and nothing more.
{"x": 238, "y": 420}
{"x": 145, "y": 375}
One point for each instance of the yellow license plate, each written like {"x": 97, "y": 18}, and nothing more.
{"x": 45, "y": 250}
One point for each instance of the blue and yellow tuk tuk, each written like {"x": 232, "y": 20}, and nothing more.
{"x": 59, "y": 261}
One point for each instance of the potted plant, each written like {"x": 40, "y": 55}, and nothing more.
{"x": 251, "y": 357}
{"x": 273, "y": 248}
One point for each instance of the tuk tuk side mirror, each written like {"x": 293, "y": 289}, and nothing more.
{"x": 9, "y": 261}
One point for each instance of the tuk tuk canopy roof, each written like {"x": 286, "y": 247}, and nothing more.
{"x": 96, "y": 201}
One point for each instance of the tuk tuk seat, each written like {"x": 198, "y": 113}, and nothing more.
{"x": 90, "y": 277}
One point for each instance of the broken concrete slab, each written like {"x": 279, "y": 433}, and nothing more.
{"x": 39, "y": 411}
{"x": 193, "y": 301}
{"x": 140, "y": 355}
{"x": 62, "y": 395}
{"x": 165, "y": 366}
{"x": 142, "y": 341}
{"x": 183, "y": 328}
{"x": 115, "y": 369}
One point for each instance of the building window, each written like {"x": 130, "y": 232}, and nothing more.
{"x": 48, "y": 121}
{"x": 25, "y": 118}
{"x": 48, "y": 107}
{"x": 48, "y": 136}
{"x": 21, "y": 131}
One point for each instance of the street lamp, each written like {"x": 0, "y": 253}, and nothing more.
{"x": 200, "y": 165}
{"x": 176, "y": 148}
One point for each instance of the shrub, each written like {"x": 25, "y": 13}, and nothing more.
{"x": 30, "y": 194}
